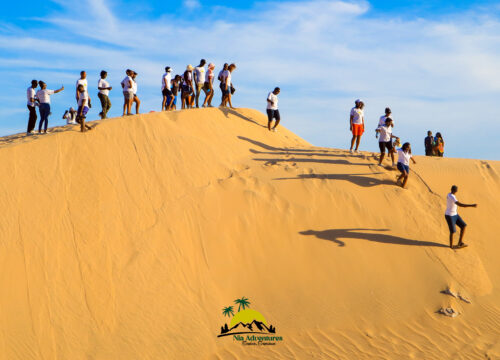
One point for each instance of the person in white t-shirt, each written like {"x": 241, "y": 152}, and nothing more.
{"x": 83, "y": 81}
{"x": 199, "y": 80}
{"x": 128, "y": 93}
{"x": 453, "y": 219}
{"x": 83, "y": 108}
{"x": 103, "y": 94}
{"x": 228, "y": 88}
{"x": 31, "y": 103}
{"x": 134, "y": 90}
{"x": 382, "y": 119}
{"x": 385, "y": 141}
{"x": 166, "y": 85}
{"x": 208, "y": 86}
{"x": 272, "y": 109}
{"x": 43, "y": 96}
{"x": 404, "y": 156}
{"x": 70, "y": 116}
{"x": 357, "y": 124}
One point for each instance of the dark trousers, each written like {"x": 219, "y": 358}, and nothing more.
{"x": 32, "y": 118}
{"x": 105, "y": 103}
{"x": 44, "y": 116}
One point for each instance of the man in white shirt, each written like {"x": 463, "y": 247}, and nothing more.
{"x": 166, "y": 88}
{"x": 382, "y": 119}
{"x": 83, "y": 108}
{"x": 31, "y": 103}
{"x": 453, "y": 219}
{"x": 385, "y": 141}
{"x": 199, "y": 79}
{"x": 228, "y": 87}
{"x": 83, "y": 81}
{"x": 128, "y": 93}
{"x": 134, "y": 91}
{"x": 272, "y": 109}
{"x": 103, "y": 94}
{"x": 357, "y": 124}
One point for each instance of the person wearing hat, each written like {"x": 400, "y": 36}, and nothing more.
{"x": 166, "y": 84}
{"x": 199, "y": 79}
{"x": 187, "y": 88}
{"x": 103, "y": 94}
{"x": 357, "y": 124}
{"x": 135, "y": 99}
{"x": 128, "y": 93}
{"x": 208, "y": 86}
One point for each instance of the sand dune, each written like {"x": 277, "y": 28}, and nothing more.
{"x": 127, "y": 241}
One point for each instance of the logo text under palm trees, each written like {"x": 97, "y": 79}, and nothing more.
{"x": 247, "y": 321}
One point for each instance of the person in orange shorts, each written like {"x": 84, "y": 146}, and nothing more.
{"x": 357, "y": 124}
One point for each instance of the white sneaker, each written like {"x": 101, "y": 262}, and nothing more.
{"x": 351, "y": 151}
{"x": 356, "y": 151}
{"x": 275, "y": 130}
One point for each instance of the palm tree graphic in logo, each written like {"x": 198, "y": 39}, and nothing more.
{"x": 246, "y": 320}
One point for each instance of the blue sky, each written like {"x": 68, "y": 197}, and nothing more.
{"x": 435, "y": 63}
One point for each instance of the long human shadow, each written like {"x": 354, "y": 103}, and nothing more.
{"x": 226, "y": 111}
{"x": 301, "y": 153}
{"x": 335, "y": 235}
{"x": 358, "y": 179}
{"x": 306, "y": 160}
{"x": 272, "y": 148}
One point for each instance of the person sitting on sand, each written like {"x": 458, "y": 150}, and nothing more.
{"x": 439, "y": 145}
{"x": 272, "y": 109}
{"x": 43, "y": 96}
{"x": 103, "y": 94}
{"x": 453, "y": 219}
{"x": 199, "y": 80}
{"x": 404, "y": 156}
{"x": 70, "y": 116}
{"x": 166, "y": 84}
{"x": 382, "y": 119}
{"x": 135, "y": 99}
{"x": 385, "y": 141}
{"x": 357, "y": 124}
{"x": 83, "y": 108}
{"x": 187, "y": 88}
{"x": 128, "y": 93}
{"x": 208, "y": 87}
{"x": 429, "y": 144}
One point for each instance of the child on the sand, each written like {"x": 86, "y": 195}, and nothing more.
{"x": 404, "y": 156}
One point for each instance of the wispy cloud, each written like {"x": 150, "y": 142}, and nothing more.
{"x": 434, "y": 73}
{"x": 191, "y": 4}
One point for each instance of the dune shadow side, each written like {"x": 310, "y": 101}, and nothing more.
{"x": 336, "y": 234}
{"x": 359, "y": 179}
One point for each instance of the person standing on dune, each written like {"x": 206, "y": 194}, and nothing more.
{"x": 357, "y": 124}
{"x": 222, "y": 79}
{"x": 43, "y": 96}
{"x": 103, "y": 94}
{"x": 453, "y": 219}
{"x": 83, "y": 108}
{"x": 381, "y": 121}
{"x": 272, "y": 109}
{"x": 166, "y": 84}
{"x": 128, "y": 93}
{"x": 404, "y": 156}
{"x": 208, "y": 86}
{"x": 31, "y": 95}
{"x": 228, "y": 86}
{"x": 199, "y": 80}
{"x": 135, "y": 99}
{"x": 83, "y": 81}
{"x": 385, "y": 141}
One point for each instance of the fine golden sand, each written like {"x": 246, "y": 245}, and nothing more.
{"x": 127, "y": 241}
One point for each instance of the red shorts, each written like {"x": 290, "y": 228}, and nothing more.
{"x": 358, "y": 129}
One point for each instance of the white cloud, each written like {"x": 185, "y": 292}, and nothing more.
{"x": 191, "y": 4}
{"x": 323, "y": 54}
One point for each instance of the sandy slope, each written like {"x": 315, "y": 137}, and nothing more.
{"x": 127, "y": 241}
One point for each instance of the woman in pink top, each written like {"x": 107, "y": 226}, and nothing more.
{"x": 208, "y": 87}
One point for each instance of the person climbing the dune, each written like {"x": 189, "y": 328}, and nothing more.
{"x": 404, "y": 156}
{"x": 453, "y": 219}
{"x": 385, "y": 140}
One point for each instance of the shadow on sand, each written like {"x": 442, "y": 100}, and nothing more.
{"x": 336, "y": 234}
{"x": 358, "y": 179}
{"x": 226, "y": 111}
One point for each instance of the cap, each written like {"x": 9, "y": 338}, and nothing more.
{"x": 189, "y": 67}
